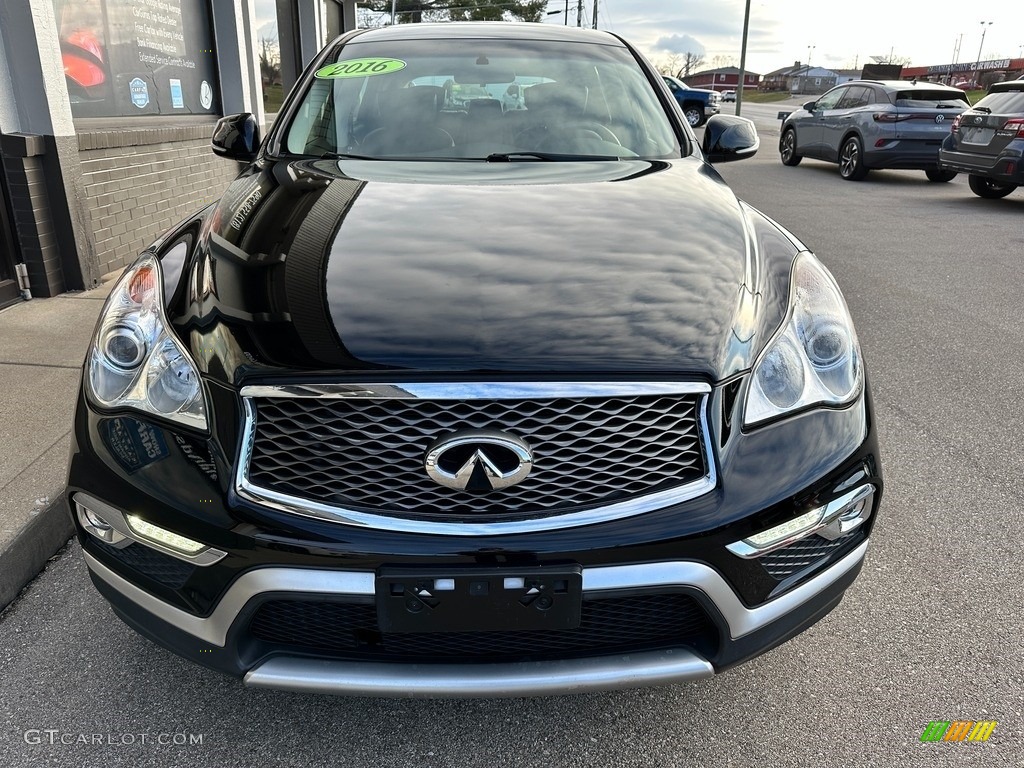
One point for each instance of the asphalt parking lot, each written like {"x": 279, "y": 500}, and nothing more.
{"x": 932, "y": 630}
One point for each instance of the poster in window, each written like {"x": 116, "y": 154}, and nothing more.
{"x": 137, "y": 57}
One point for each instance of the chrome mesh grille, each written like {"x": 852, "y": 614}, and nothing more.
{"x": 367, "y": 454}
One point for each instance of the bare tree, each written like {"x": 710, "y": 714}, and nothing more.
{"x": 668, "y": 65}
{"x": 496, "y": 10}
{"x": 903, "y": 61}
{"x": 461, "y": 10}
{"x": 270, "y": 61}
{"x": 691, "y": 63}
{"x": 370, "y": 19}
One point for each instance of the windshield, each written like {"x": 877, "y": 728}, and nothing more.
{"x": 1004, "y": 102}
{"x": 932, "y": 99}
{"x": 480, "y": 99}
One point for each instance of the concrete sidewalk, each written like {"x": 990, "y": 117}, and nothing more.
{"x": 42, "y": 347}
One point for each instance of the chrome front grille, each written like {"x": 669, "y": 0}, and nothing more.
{"x": 356, "y": 453}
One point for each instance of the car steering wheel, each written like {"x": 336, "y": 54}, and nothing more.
{"x": 603, "y": 132}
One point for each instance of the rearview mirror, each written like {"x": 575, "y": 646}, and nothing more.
{"x": 728, "y": 138}
{"x": 236, "y": 137}
{"x": 809, "y": 106}
{"x": 484, "y": 75}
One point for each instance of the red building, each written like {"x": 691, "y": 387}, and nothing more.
{"x": 722, "y": 79}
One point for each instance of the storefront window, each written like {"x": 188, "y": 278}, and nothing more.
{"x": 269, "y": 47}
{"x": 138, "y": 57}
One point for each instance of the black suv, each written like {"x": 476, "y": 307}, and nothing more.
{"x": 461, "y": 401}
{"x": 987, "y": 142}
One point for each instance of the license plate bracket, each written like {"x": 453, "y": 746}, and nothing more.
{"x": 980, "y": 136}
{"x": 479, "y": 599}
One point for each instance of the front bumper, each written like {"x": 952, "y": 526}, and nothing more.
{"x": 258, "y": 560}
{"x": 213, "y": 640}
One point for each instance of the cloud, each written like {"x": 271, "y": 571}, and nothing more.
{"x": 680, "y": 44}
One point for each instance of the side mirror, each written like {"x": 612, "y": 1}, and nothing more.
{"x": 236, "y": 137}
{"x": 809, "y": 106}
{"x": 727, "y": 138}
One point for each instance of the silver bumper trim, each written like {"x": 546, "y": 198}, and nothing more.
{"x": 214, "y": 629}
{"x": 741, "y": 620}
{"x": 540, "y": 678}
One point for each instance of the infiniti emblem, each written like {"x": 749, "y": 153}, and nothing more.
{"x": 478, "y": 460}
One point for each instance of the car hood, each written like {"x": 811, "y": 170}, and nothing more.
{"x": 358, "y": 266}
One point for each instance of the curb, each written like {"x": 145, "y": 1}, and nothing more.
{"x": 26, "y": 554}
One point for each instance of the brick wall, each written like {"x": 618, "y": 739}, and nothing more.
{"x": 139, "y": 182}
{"x": 30, "y": 204}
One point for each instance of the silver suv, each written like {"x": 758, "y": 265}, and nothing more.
{"x": 868, "y": 124}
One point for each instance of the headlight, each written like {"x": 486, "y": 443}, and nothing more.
{"x": 814, "y": 359}
{"x": 135, "y": 361}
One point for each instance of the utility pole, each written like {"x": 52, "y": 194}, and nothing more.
{"x": 977, "y": 65}
{"x": 743, "y": 59}
{"x": 579, "y": 13}
{"x": 567, "y": 13}
{"x": 956, "y": 57}
{"x": 595, "y": 13}
{"x": 393, "y": 4}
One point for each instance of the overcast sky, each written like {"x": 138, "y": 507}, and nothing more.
{"x": 843, "y": 34}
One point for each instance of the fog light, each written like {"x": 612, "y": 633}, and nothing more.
{"x": 849, "y": 516}
{"x": 160, "y": 535}
{"x": 113, "y": 526}
{"x": 790, "y": 528}
{"x": 95, "y": 524}
{"x": 96, "y": 521}
{"x": 835, "y": 519}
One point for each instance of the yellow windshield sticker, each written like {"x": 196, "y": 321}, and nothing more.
{"x": 360, "y": 68}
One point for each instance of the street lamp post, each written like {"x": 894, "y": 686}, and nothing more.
{"x": 956, "y": 57}
{"x": 810, "y": 50}
{"x": 743, "y": 59}
{"x": 977, "y": 65}
{"x": 559, "y": 13}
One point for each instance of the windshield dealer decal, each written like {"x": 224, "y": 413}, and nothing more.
{"x": 360, "y": 68}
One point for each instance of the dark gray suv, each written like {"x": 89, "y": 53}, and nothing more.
{"x": 987, "y": 142}
{"x": 869, "y": 124}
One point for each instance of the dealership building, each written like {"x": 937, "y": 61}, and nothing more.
{"x": 106, "y": 113}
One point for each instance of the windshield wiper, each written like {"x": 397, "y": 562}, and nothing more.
{"x": 986, "y": 110}
{"x": 508, "y": 157}
{"x": 345, "y": 156}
